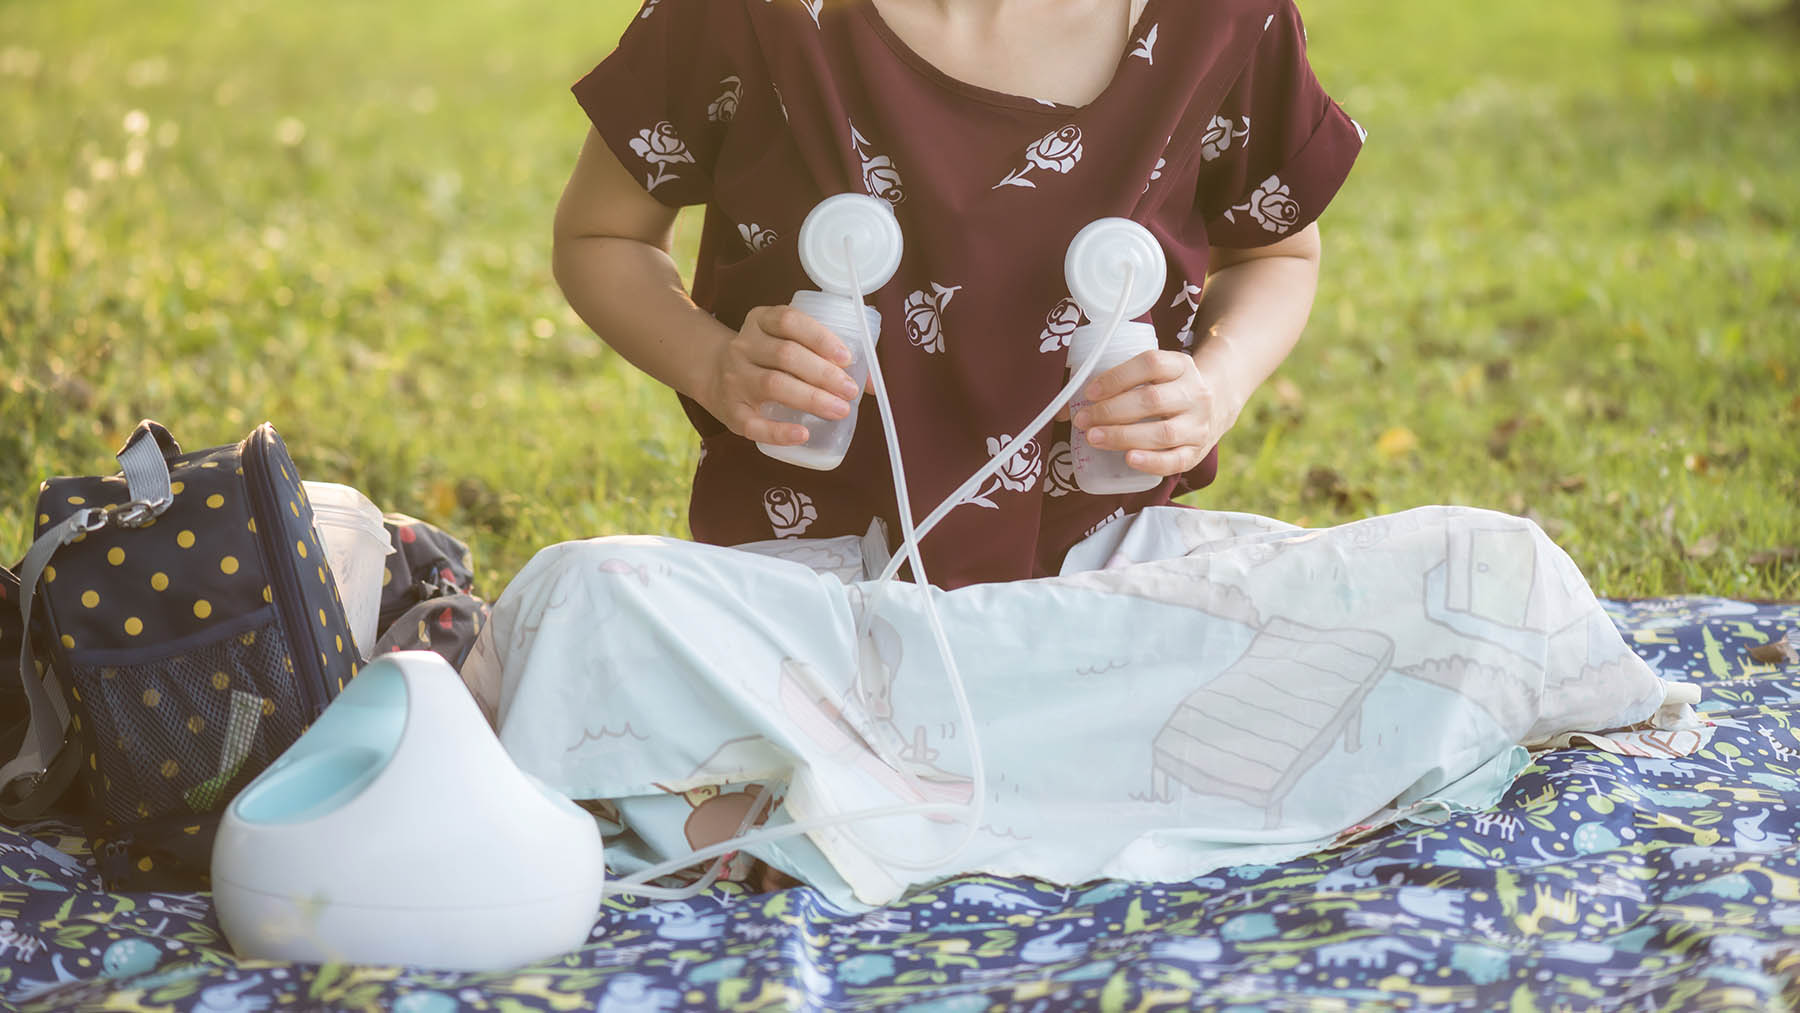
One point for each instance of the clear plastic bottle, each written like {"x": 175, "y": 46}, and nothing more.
{"x": 1097, "y": 471}
{"x": 1095, "y": 269}
{"x": 839, "y": 227}
{"x": 827, "y": 439}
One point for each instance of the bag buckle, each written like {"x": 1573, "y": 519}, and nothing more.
{"x": 134, "y": 514}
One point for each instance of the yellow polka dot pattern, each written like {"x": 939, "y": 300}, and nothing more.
{"x": 134, "y": 626}
{"x": 89, "y": 599}
{"x": 170, "y": 768}
{"x": 185, "y": 539}
{"x": 115, "y": 555}
{"x": 196, "y": 724}
{"x": 228, "y": 565}
{"x": 215, "y": 501}
{"x": 221, "y": 681}
{"x": 202, "y": 608}
{"x": 152, "y": 698}
{"x": 159, "y": 581}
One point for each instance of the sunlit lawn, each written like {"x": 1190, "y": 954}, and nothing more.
{"x": 1561, "y": 281}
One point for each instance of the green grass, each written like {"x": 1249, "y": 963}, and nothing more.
{"x": 1573, "y": 222}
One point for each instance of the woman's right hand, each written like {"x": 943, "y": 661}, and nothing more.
{"x": 783, "y": 356}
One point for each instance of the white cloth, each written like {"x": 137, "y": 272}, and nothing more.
{"x": 1197, "y": 689}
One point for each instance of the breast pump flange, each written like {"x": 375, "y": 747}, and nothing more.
{"x": 1111, "y": 261}
{"x": 850, "y": 245}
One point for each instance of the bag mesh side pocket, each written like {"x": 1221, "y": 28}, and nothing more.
{"x": 180, "y": 734}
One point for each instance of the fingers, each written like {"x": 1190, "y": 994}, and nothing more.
{"x": 793, "y": 359}
{"x": 1157, "y": 366}
{"x": 788, "y": 322}
{"x": 781, "y": 388}
{"x": 1146, "y": 402}
{"x": 1154, "y": 435}
{"x": 755, "y": 427}
{"x": 1166, "y": 462}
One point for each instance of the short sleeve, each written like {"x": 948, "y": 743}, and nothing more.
{"x": 665, "y": 98}
{"x": 1278, "y": 148}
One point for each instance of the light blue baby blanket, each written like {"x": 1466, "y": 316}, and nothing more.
{"x": 1197, "y": 689}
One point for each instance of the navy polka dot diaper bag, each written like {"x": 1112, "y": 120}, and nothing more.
{"x": 184, "y": 629}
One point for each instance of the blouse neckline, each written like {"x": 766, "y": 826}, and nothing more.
{"x": 1008, "y": 100}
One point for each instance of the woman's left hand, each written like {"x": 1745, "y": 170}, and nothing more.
{"x": 1160, "y": 410}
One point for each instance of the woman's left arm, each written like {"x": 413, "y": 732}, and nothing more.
{"x": 1167, "y": 409}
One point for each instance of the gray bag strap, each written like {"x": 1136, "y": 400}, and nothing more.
{"x": 147, "y": 477}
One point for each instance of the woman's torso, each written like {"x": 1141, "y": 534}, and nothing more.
{"x": 989, "y": 186}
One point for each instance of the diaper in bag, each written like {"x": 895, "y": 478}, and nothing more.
{"x": 185, "y": 628}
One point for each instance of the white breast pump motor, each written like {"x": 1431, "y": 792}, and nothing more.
{"x": 868, "y": 225}
{"x": 1095, "y": 270}
{"x": 397, "y": 830}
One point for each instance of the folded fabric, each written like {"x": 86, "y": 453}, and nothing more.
{"x": 1196, "y": 690}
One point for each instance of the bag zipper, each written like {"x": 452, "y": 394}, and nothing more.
{"x": 284, "y": 579}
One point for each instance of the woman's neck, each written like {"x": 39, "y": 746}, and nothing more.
{"x": 1054, "y": 50}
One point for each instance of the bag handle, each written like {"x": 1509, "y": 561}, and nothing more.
{"x": 47, "y": 759}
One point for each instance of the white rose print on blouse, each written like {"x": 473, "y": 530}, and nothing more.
{"x": 1271, "y": 206}
{"x": 1220, "y": 134}
{"x": 1190, "y": 296}
{"x": 1019, "y": 473}
{"x": 756, "y": 237}
{"x": 790, "y": 513}
{"x": 723, "y": 108}
{"x": 1059, "y": 326}
{"x": 1057, "y": 151}
{"x": 1146, "y": 47}
{"x": 1162, "y": 162}
{"x": 661, "y": 147}
{"x": 880, "y": 177}
{"x": 924, "y": 316}
{"x": 1059, "y": 477}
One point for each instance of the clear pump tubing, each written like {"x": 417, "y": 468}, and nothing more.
{"x": 970, "y": 812}
{"x": 699, "y": 886}
{"x": 909, "y": 541}
{"x": 1027, "y": 434}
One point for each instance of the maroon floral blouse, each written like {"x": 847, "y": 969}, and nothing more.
{"x": 1213, "y": 131}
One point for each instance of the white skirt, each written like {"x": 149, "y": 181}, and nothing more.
{"x": 1195, "y": 690}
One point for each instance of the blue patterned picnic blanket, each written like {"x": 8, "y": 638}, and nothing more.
{"x": 1601, "y": 880}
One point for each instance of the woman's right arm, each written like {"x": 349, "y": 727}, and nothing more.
{"x": 612, "y": 260}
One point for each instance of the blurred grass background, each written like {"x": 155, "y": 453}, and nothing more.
{"x": 1561, "y": 281}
